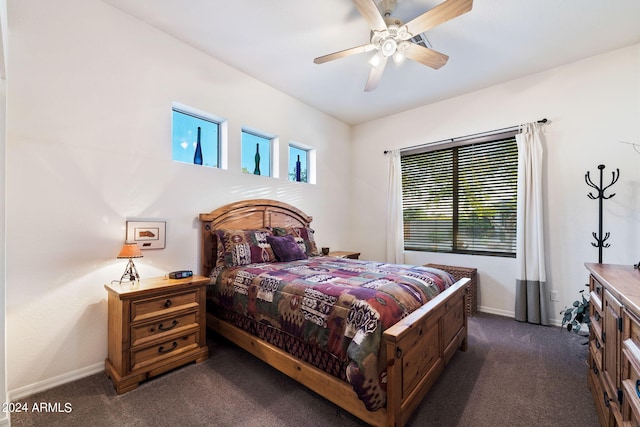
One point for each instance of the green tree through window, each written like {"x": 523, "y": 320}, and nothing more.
{"x": 461, "y": 199}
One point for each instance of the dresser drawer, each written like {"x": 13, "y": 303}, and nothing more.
{"x": 631, "y": 375}
{"x": 602, "y": 406}
{"x": 595, "y": 315}
{"x": 143, "y": 333}
{"x": 168, "y": 348}
{"x": 144, "y": 309}
{"x": 633, "y": 328}
{"x": 597, "y": 292}
{"x": 595, "y": 348}
{"x": 631, "y": 403}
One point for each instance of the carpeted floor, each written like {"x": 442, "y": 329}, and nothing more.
{"x": 513, "y": 374}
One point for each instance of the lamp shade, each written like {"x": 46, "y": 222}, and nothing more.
{"x": 130, "y": 250}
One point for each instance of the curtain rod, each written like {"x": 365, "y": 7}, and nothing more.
{"x": 460, "y": 138}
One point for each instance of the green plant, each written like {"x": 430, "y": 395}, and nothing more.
{"x": 576, "y": 315}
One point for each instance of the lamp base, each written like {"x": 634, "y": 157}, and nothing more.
{"x": 130, "y": 273}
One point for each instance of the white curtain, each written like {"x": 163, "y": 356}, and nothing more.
{"x": 395, "y": 231}
{"x": 531, "y": 287}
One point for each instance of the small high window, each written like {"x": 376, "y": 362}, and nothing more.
{"x": 195, "y": 137}
{"x": 256, "y": 153}
{"x": 298, "y": 164}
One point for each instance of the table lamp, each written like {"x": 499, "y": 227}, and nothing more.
{"x": 130, "y": 250}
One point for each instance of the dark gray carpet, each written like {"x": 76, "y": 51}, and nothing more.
{"x": 513, "y": 374}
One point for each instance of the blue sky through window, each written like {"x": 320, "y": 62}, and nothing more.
{"x": 249, "y": 141}
{"x": 185, "y": 135}
{"x": 294, "y": 152}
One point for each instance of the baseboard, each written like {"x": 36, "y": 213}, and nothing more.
{"x": 39, "y": 386}
{"x": 498, "y": 312}
{"x": 504, "y": 313}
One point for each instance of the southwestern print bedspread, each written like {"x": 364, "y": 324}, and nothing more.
{"x": 340, "y": 305}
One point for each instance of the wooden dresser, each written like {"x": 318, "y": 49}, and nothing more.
{"x": 614, "y": 343}
{"x": 154, "y": 327}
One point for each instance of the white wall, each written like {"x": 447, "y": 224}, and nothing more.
{"x": 592, "y": 105}
{"x": 88, "y": 146}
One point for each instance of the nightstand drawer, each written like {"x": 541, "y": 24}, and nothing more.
{"x": 168, "y": 348}
{"x": 144, "y": 309}
{"x": 153, "y": 330}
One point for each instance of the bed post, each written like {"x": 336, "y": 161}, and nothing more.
{"x": 394, "y": 385}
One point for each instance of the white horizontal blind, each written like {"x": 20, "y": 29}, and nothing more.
{"x": 461, "y": 199}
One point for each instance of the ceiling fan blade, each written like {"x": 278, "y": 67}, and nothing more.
{"x": 375, "y": 75}
{"x": 341, "y": 54}
{"x": 426, "y": 56}
{"x": 371, "y": 14}
{"x": 441, "y": 13}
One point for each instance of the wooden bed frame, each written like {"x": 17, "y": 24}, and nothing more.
{"x": 418, "y": 347}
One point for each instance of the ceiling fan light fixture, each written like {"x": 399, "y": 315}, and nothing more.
{"x": 376, "y": 60}
{"x": 398, "y": 58}
{"x": 388, "y": 47}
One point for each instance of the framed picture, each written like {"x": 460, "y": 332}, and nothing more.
{"x": 147, "y": 234}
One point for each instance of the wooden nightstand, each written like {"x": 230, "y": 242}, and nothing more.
{"x": 154, "y": 327}
{"x": 345, "y": 254}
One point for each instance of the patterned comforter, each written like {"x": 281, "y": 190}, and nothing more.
{"x": 340, "y": 305}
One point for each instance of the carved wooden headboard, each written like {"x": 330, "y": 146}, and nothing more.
{"x": 246, "y": 215}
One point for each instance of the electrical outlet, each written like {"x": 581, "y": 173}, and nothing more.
{"x": 554, "y": 295}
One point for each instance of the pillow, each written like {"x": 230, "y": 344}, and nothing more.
{"x": 302, "y": 235}
{"x": 242, "y": 247}
{"x": 286, "y": 248}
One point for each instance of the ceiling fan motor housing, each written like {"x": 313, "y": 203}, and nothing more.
{"x": 387, "y": 7}
{"x": 390, "y": 40}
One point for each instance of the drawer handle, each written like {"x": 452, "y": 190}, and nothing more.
{"x": 598, "y": 345}
{"x": 167, "y": 303}
{"x": 597, "y": 316}
{"x": 606, "y": 399}
{"x": 162, "y": 350}
{"x": 168, "y": 328}
{"x": 595, "y": 370}
{"x": 638, "y": 387}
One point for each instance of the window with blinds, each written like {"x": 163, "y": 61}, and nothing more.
{"x": 461, "y": 199}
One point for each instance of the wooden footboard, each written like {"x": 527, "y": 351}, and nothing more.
{"x": 418, "y": 348}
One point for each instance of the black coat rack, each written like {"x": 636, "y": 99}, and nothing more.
{"x": 600, "y": 239}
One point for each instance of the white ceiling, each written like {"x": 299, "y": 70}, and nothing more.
{"x": 498, "y": 40}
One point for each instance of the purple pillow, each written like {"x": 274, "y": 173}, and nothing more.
{"x": 286, "y": 248}
{"x": 242, "y": 247}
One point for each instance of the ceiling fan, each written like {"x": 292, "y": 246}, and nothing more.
{"x": 391, "y": 38}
